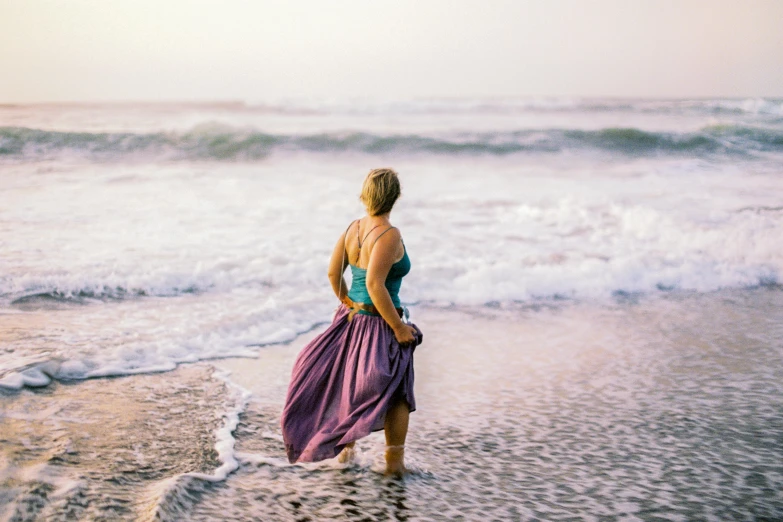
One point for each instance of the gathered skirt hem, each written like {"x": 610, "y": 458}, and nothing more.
{"x": 342, "y": 384}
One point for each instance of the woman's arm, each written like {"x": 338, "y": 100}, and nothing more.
{"x": 337, "y": 265}
{"x": 382, "y": 258}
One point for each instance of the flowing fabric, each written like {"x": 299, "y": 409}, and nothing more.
{"x": 342, "y": 384}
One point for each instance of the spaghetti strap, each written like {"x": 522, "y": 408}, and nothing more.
{"x": 366, "y": 235}
{"x": 360, "y": 241}
{"x": 345, "y": 251}
{"x": 345, "y": 234}
{"x": 345, "y": 242}
{"x": 382, "y": 233}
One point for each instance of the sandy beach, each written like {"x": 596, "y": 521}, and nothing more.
{"x": 106, "y": 448}
{"x": 641, "y": 411}
{"x": 659, "y": 409}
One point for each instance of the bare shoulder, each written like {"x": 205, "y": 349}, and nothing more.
{"x": 390, "y": 235}
{"x": 389, "y": 240}
{"x": 389, "y": 244}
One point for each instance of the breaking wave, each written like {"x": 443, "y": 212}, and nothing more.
{"x": 211, "y": 142}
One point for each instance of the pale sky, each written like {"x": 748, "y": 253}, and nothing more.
{"x": 254, "y": 50}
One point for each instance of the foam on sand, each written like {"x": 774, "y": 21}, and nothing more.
{"x": 139, "y": 451}
{"x": 173, "y": 497}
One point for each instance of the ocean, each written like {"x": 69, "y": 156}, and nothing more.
{"x": 598, "y": 282}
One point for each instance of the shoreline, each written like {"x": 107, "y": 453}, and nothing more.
{"x": 66, "y": 452}
{"x": 587, "y": 406}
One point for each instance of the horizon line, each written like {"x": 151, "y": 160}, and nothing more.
{"x": 236, "y": 102}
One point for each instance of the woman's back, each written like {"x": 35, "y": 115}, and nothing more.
{"x": 360, "y": 239}
{"x": 359, "y": 246}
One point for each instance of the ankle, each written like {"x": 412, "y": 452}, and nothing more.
{"x": 395, "y": 457}
{"x": 347, "y": 454}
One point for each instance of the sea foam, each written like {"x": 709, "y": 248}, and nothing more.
{"x": 112, "y": 267}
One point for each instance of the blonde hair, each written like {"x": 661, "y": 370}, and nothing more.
{"x": 380, "y": 191}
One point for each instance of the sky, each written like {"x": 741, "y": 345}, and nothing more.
{"x": 255, "y": 51}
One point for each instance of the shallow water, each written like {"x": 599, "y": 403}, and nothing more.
{"x": 215, "y": 221}
{"x": 667, "y": 409}
{"x": 650, "y": 408}
{"x": 66, "y": 456}
{"x": 187, "y": 262}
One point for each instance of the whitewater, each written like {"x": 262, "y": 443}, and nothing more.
{"x": 107, "y": 204}
{"x": 162, "y": 240}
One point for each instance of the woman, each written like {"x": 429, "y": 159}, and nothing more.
{"x": 357, "y": 376}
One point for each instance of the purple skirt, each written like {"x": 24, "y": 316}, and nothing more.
{"x": 342, "y": 384}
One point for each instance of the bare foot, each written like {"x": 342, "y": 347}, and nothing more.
{"x": 347, "y": 454}
{"x": 395, "y": 461}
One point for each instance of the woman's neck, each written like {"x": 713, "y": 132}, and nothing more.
{"x": 381, "y": 219}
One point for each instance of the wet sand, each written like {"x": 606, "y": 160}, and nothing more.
{"x": 657, "y": 409}
{"x": 105, "y": 449}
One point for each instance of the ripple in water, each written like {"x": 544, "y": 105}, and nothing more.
{"x": 654, "y": 409}
{"x": 667, "y": 409}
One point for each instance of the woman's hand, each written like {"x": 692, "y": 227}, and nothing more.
{"x": 405, "y": 334}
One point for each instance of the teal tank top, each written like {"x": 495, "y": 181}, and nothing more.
{"x": 358, "y": 292}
